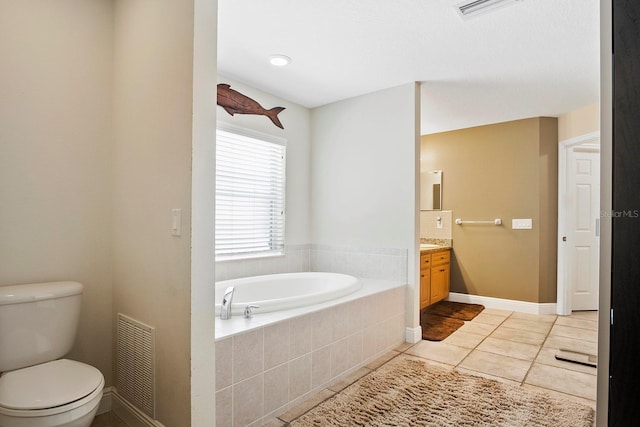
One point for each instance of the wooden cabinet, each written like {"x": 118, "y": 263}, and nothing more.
{"x": 425, "y": 280}
{"x": 434, "y": 277}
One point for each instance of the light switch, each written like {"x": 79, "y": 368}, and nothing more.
{"x": 176, "y": 222}
{"x": 522, "y": 224}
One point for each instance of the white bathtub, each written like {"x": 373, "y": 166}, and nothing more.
{"x": 275, "y": 292}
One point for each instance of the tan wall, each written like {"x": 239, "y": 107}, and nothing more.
{"x": 506, "y": 170}
{"x": 579, "y": 122}
{"x": 153, "y": 84}
{"x": 55, "y": 152}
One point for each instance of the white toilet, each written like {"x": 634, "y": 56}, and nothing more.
{"x": 38, "y": 324}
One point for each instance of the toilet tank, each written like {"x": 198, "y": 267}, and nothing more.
{"x": 38, "y": 322}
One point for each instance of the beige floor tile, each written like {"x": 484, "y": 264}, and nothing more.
{"x": 576, "y": 333}
{"x": 477, "y": 328}
{"x": 527, "y": 325}
{"x": 305, "y": 406}
{"x": 439, "y": 351}
{"x": 350, "y": 379}
{"x": 403, "y": 347}
{"x": 382, "y": 360}
{"x": 108, "y": 419}
{"x": 590, "y": 315}
{"x": 496, "y": 364}
{"x": 464, "y": 339}
{"x": 509, "y": 348}
{"x": 273, "y": 422}
{"x": 543, "y": 318}
{"x": 485, "y": 375}
{"x": 406, "y": 356}
{"x": 577, "y": 322}
{"x": 547, "y": 356}
{"x": 566, "y": 343}
{"x": 562, "y": 396}
{"x": 489, "y": 318}
{"x": 562, "y": 380}
{"x": 518, "y": 335}
{"x": 498, "y": 312}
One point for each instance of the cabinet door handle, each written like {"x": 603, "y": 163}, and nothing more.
{"x": 441, "y": 271}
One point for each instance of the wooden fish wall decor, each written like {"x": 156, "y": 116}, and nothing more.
{"x": 234, "y": 102}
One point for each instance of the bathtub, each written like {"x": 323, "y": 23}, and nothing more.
{"x": 297, "y": 352}
{"x": 276, "y": 292}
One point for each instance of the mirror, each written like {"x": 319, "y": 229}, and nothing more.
{"x": 431, "y": 190}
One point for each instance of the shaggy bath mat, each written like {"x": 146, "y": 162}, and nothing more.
{"x": 443, "y": 318}
{"x": 437, "y": 328}
{"x": 457, "y": 310}
{"x": 407, "y": 392}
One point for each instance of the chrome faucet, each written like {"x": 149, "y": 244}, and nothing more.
{"x": 248, "y": 311}
{"x": 225, "y": 308}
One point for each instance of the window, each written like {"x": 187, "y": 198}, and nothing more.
{"x": 250, "y": 194}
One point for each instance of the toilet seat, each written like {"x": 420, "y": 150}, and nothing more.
{"x": 49, "y": 388}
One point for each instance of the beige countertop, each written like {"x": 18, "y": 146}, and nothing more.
{"x": 435, "y": 249}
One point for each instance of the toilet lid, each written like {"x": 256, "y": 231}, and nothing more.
{"x": 48, "y": 385}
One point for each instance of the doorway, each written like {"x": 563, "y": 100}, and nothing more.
{"x": 578, "y": 223}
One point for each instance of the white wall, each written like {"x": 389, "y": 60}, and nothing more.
{"x": 362, "y": 170}
{"x": 153, "y": 109}
{"x": 55, "y": 156}
{"x": 364, "y": 163}
{"x": 203, "y": 210}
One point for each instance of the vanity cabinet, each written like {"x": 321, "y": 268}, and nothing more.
{"x": 434, "y": 277}
{"x": 425, "y": 280}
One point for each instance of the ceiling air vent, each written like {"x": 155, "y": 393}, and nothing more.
{"x": 470, "y": 9}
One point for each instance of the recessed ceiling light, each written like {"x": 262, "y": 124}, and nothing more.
{"x": 279, "y": 60}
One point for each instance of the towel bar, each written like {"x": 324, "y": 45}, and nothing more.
{"x": 496, "y": 221}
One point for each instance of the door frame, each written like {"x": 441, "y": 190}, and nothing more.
{"x": 563, "y": 305}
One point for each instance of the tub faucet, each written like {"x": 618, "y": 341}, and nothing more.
{"x": 225, "y": 308}
{"x": 248, "y": 311}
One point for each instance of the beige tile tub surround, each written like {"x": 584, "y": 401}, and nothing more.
{"x": 270, "y": 369}
{"x": 368, "y": 262}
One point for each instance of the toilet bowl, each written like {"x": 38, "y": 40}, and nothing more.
{"x": 38, "y": 324}
{"x": 61, "y": 393}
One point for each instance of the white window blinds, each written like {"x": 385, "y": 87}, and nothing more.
{"x": 250, "y": 194}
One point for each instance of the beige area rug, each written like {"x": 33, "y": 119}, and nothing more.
{"x": 407, "y": 392}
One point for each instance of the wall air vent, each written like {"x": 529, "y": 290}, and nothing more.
{"x": 135, "y": 364}
{"x": 470, "y": 9}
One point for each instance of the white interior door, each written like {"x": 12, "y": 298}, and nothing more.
{"x": 582, "y": 232}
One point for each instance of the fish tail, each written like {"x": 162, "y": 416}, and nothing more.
{"x": 273, "y": 115}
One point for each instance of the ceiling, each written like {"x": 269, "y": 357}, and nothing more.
{"x": 531, "y": 58}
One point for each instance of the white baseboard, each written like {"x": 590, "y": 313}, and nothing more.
{"x": 505, "y": 304}
{"x": 105, "y": 402}
{"x": 130, "y": 414}
{"x": 413, "y": 335}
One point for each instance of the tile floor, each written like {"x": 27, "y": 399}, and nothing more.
{"x": 108, "y": 419}
{"x": 503, "y": 345}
